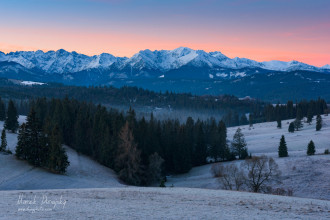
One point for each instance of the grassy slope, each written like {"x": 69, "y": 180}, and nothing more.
{"x": 308, "y": 176}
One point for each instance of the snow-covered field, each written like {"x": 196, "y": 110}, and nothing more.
{"x": 307, "y": 176}
{"x": 158, "y": 203}
{"x": 83, "y": 172}
{"x": 264, "y": 138}
{"x": 92, "y": 191}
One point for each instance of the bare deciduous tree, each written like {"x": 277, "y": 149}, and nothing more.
{"x": 260, "y": 171}
{"x": 230, "y": 176}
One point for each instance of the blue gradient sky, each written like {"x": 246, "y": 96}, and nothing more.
{"x": 260, "y": 30}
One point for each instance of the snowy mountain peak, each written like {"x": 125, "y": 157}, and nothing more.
{"x": 62, "y": 51}
{"x": 218, "y": 55}
{"x": 323, "y": 67}
{"x": 288, "y": 66}
{"x": 2, "y": 57}
{"x": 62, "y": 61}
{"x": 182, "y": 51}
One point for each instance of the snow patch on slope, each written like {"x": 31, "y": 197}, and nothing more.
{"x": 29, "y": 83}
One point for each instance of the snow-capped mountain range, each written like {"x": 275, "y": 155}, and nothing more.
{"x": 62, "y": 61}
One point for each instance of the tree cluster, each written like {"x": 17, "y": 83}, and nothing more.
{"x": 127, "y": 96}
{"x": 290, "y": 110}
{"x": 40, "y": 147}
{"x": 140, "y": 150}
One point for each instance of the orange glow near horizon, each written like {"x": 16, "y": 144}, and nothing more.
{"x": 259, "y": 48}
{"x": 259, "y": 30}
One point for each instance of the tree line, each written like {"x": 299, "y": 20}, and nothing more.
{"x": 127, "y": 96}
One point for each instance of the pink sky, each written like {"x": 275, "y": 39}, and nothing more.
{"x": 123, "y": 28}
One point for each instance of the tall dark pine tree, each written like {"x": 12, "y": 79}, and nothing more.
{"x": 299, "y": 114}
{"x": 200, "y": 150}
{"x": 318, "y": 122}
{"x": 239, "y": 145}
{"x": 11, "y": 122}
{"x": 311, "y": 148}
{"x": 36, "y": 142}
{"x": 250, "y": 120}
{"x": 57, "y": 160}
{"x": 224, "y": 149}
{"x": 214, "y": 140}
{"x": 154, "y": 171}
{"x": 309, "y": 116}
{"x": 82, "y": 134}
{"x": 2, "y": 110}
{"x": 182, "y": 156}
{"x": 190, "y": 138}
{"x": 22, "y": 147}
{"x": 3, "y": 145}
{"x": 290, "y": 109}
{"x": 291, "y": 127}
{"x": 279, "y": 122}
{"x": 282, "y": 148}
{"x": 297, "y": 124}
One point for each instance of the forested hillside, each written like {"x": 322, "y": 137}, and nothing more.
{"x": 140, "y": 150}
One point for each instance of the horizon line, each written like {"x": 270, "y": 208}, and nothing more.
{"x": 96, "y": 54}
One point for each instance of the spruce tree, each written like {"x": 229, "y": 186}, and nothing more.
{"x": 250, "y": 120}
{"x": 22, "y": 147}
{"x": 214, "y": 140}
{"x": 224, "y": 149}
{"x": 2, "y": 110}
{"x": 291, "y": 127}
{"x": 200, "y": 150}
{"x": 36, "y": 142}
{"x": 57, "y": 160}
{"x": 282, "y": 149}
{"x": 299, "y": 115}
{"x": 309, "y": 116}
{"x": 239, "y": 145}
{"x": 279, "y": 123}
{"x": 311, "y": 148}
{"x": 182, "y": 156}
{"x": 154, "y": 173}
{"x": 3, "y": 141}
{"x": 11, "y": 122}
{"x": 318, "y": 122}
{"x": 297, "y": 124}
